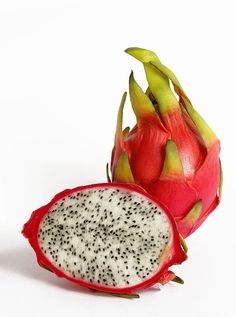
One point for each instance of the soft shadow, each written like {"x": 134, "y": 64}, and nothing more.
{"x": 23, "y": 262}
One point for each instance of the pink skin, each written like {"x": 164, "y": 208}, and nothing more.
{"x": 167, "y": 191}
{"x": 191, "y": 148}
{"x": 176, "y": 254}
{"x": 145, "y": 146}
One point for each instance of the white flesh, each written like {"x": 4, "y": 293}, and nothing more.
{"x": 106, "y": 236}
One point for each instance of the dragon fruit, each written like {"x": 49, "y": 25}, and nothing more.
{"x": 171, "y": 152}
{"x": 108, "y": 237}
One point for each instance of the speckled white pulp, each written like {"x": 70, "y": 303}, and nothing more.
{"x": 106, "y": 236}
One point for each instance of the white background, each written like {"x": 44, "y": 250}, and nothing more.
{"x": 62, "y": 74}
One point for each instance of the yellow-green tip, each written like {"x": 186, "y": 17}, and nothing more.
{"x": 147, "y": 56}
{"x": 123, "y": 171}
{"x": 119, "y": 132}
{"x": 207, "y": 134}
{"x": 157, "y": 79}
{"x": 192, "y": 216}
{"x": 141, "y": 103}
{"x": 184, "y": 244}
{"x": 141, "y": 54}
{"x": 172, "y": 164}
{"x": 178, "y": 280}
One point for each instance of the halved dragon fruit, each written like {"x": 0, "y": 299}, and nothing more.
{"x": 109, "y": 237}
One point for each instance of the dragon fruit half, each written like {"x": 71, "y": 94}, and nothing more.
{"x": 109, "y": 237}
{"x": 171, "y": 152}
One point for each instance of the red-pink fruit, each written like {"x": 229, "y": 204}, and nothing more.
{"x": 108, "y": 237}
{"x": 171, "y": 152}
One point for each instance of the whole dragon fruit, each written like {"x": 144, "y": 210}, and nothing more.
{"x": 171, "y": 152}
